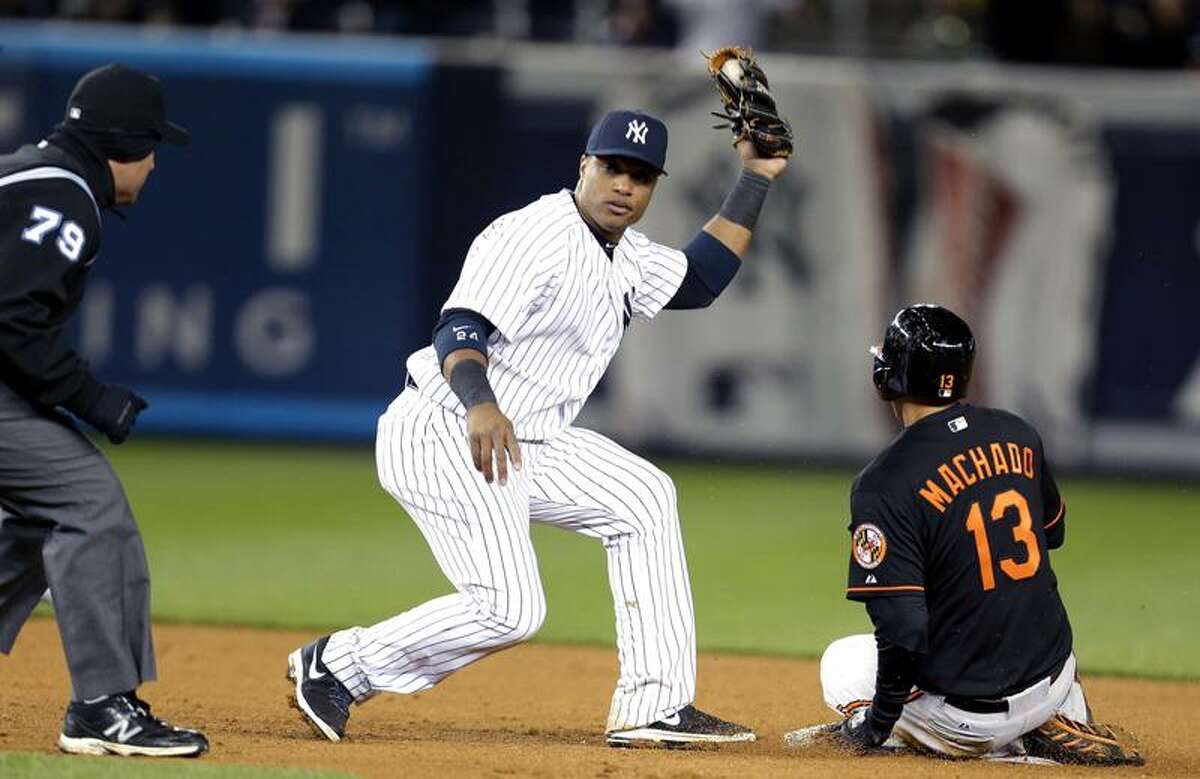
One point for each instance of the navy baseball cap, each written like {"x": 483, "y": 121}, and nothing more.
{"x": 633, "y": 134}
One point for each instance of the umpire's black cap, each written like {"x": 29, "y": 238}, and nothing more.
{"x": 120, "y": 100}
{"x": 636, "y": 134}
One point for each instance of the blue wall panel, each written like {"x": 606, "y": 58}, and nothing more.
{"x": 270, "y": 280}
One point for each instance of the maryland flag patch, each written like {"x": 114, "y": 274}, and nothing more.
{"x": 869, "y": 546}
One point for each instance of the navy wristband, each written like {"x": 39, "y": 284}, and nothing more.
{"x": 461, "y": 328}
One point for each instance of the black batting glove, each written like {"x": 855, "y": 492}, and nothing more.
{"x": 863, "y": 733}
{"x": 115, "y": 411}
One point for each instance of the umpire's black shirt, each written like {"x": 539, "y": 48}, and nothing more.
{"x": 961, "y": 509}
{"x": 50, "y": 200}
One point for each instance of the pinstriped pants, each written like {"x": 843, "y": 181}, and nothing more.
{"x": 479, "y": 534}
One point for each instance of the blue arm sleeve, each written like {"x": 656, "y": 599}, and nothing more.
{"x": 711, "y": 266}
{"x": 461, "y": 328}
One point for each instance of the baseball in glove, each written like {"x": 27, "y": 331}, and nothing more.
{"x": 749, "y": 105}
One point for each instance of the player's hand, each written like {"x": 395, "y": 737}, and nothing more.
{"x": 860, "y": 732}
{"x": 764, "y": 166}
{"x": 492, "y": 437}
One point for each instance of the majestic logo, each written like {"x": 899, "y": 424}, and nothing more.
{"x": 869, "y": 546}
{"x": 637, "y": 131}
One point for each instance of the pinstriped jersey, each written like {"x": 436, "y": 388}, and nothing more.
{"x": 560, "y": 306}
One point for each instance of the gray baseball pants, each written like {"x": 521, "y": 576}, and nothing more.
{"x": 67, "y": 525}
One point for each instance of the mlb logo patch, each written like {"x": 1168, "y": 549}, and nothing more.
{"x": 958, "y": 424}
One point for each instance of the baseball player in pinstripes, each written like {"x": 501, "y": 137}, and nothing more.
{"x": 481, "y": 443}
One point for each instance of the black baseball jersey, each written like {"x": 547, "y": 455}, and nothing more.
{"x": 50, "y": 200}
{"x": 962, "y": 508}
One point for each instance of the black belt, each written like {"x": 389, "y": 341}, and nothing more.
{"x": 997, "y": 705}
{"x": 978, "y": 705}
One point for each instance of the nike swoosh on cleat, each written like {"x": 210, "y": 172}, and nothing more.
{"x": 313, "y": 673}
{"x": 672, "y": 720}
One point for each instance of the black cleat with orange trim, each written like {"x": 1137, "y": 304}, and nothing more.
{"x": 1067, "y": 741}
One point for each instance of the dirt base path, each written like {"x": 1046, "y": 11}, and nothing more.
{"x": 532, "y": 711}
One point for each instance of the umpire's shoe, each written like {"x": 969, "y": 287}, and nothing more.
{"x": 123, "y": 725}
{"x": 689, "y": 725}
{"x": 324, "y": 701}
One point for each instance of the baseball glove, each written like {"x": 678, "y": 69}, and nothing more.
{"x": 749, "y": 106}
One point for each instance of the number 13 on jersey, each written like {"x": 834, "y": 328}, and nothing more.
{"x": 1022, "y": 533}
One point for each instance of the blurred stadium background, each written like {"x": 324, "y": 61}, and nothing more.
{"x": 1035, "y": 166}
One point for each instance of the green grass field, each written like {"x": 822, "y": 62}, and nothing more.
{"x": 304, "y": 537}
{"x": 26, "y": 766}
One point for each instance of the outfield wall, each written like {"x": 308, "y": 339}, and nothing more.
{"x": 277, "y": 272}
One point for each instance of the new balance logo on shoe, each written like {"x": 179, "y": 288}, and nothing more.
{"x": 123, "y": 725}
{"x": 122, "y": 730}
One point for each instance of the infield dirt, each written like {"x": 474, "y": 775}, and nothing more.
{"x": 535, "y": 710}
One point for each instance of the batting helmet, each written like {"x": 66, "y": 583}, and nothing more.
{"x": 927, "y": 355}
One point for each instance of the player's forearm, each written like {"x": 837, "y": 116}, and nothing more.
{"x": 715, "y": 254}
{"x": 894, "y": 677}
{"x": 735, "y": 237}
{"x": 734, "y": 224}
{"x": 901, "y": 633}
{"x": 453, "y": 359}
{"x": 466, "y": 373}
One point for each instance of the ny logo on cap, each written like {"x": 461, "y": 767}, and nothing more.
{"x": 637, "y": 131}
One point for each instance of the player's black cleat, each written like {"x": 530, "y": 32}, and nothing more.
{"x": 1067, "y": 741}
{"x": 320, "y": 697}
{"x": 123, "y": 725}
{"x": 689, "y": 725}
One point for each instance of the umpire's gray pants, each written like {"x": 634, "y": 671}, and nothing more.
{"x": 69, "y": 526}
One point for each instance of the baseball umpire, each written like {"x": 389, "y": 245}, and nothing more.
{"x": 69, "y": 525}
{"x": 951, "y": 527}
{"x": 483, "y": 442}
